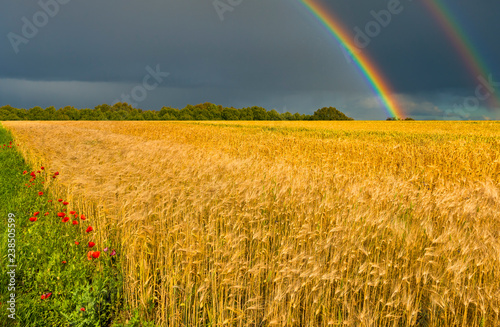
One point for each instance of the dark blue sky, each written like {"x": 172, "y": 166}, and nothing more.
{"x": 268, "y": 53}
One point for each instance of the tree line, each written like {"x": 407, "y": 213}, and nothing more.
{"x": 124, "y": 111}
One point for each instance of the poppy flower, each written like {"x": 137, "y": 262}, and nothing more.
{"x": 33, "y": 219}
{"x": 36, "y": 213}
{"x": 76, "y": 215}
{"x": 61, "y": 214}
{"x": 38, "y": 172}
{"x": 89, "y": 229}
{"x": 82, "y": 309}
{"x": 60, "y": 200}
{"x": 72, "y": 212}
{"x": 32, "y": 174}
{"x": 65, "y": 219}
{"x": 53, "y": 176}
{"x": 77, "y": 243}
{"x": 25, "y": 172}
{"x": 64, "y": 261}
{"x": 49, "y": 201}
{"x": 113, "y": 253}
{"x": 89, "y": 255}
{"x": 91, "y": 244}
{"x": 26, "y": 184}
{"x": 40, "y": 193}
{"x": 56, "y": 173}
{"x": 42, "y": 168}
{"x": 46, "y": 214}
{"x": 65, "y": 203}
{"x": 75, "y": 222}
{"x": 82, "y": 217}
{"x": 96, "y": 254}
{"x": 46, "y": 296}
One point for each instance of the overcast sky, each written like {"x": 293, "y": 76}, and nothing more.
{"x": 270, "y": 53}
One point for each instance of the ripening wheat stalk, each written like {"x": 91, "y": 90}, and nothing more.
{"x": 296, "y": 224}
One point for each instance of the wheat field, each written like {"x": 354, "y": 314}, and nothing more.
{"x": 290, "y": 223}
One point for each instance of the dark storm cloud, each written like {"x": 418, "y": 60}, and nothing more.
{"x": 269, "y": 53}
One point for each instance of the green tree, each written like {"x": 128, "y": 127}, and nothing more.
{"x": 329, "y": 113}
{"x": 168, "y": 113}
{"x": 273, "y": 115}
{"x": 50, "y": 113}
{"x": 36, "y": 113}
{"x": 259, "y": 113}
{"x": 230, "y": 114}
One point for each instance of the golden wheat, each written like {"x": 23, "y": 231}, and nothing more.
{"x": 291, "y": 223}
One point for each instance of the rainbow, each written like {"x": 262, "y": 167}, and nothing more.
{"x": 471, "y": 58}
{"x": 374, "y": 77}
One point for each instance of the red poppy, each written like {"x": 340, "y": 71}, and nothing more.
{"x": 65, "y": 203}
{"x": 56, "y": 173}
{"x": 45, "y": 296}
{"x": 61, "y": 214}
{"x": 96, "y": 254}
{"x": 82, "y": 309}
{"x": 65, "y": 219}
{"x": 33, "y": 219}
{"x": 46, "y": 214}
{"x": 36, "y": 213}
{"x": 89, "y": 255}
{"x": 76, "y": 216}
{"x": 32, "y": 174}
{"x": 60, "y": 200}
{"x": 82, "y": 217}
{"x": 89, "y": 229}
{"x": 40, "y": 193}
{"x": 75, "y": 222}
{"x": 72, "y": 212}
{"x": 38, "y": 172}
{"x": 42, "y": 168}
{"x": 25, "y": 172}
{"x": 49, "y": 201}
{"x": 64, "y": 261}
{"x": 77, "y": 243}
{"x": 53, "y": 176}
{"x": 91, "y": 244}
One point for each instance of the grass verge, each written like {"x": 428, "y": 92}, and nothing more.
{"x": 49, "y": 265}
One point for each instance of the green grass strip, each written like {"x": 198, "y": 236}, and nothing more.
{"x": 40, "y": 257}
